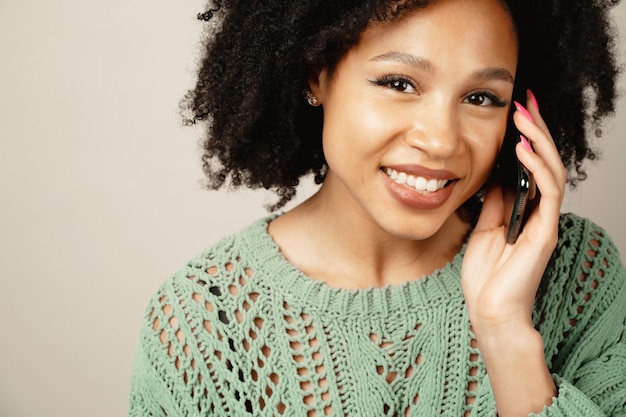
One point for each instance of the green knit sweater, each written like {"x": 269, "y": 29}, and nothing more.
{"x": 241, "y": 332}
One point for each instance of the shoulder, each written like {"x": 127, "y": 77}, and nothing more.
{"x": 194, "y": 310}
{"x": 584, "y": 287}
{"x": 223, "y": 268}
{"x": 586, "y": 249}
{"x": 573, "y": 228}
{"x": 585, "y": 259}
{"x": 216, "y": 282}
{"x": 219, "y": 258}
{"x": 249, "y": 239}
{"x": 585, "y": 262}
{"x": 229, "y": 255}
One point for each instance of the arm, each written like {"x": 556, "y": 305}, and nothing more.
{"x": 147, "y": 389}
{"x": 149, "y": 395}
{"x": 582, "y": 337}
{"x": 162, "y": 361}
{"x": 581, "y": 315}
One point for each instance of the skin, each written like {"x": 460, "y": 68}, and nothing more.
{"x": 435, "y": 113}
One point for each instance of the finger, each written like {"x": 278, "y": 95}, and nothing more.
{"x": 558, "y": 162}
{"x": 550, "y": 186}
{"x": 527, "y": 124}
{"x": 533, "y": 108}
{"x": 491, "y": 213}
{"x": 547, "y": 182}
{"x": 543, "y": 145}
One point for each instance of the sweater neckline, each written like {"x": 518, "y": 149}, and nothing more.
{"x": 305, "y": 293}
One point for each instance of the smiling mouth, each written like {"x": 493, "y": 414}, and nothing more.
{"x": 421, "y": 184}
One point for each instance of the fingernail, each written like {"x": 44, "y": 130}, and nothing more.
{"x": 526, "y": 144}
{"x": 532, "y": 98}
{"x": 523, "y": 110}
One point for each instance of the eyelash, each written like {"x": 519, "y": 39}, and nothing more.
{"x": 495, "y": 100}
{"x": 392, "y": 81}
{"x": 400, "y": 83}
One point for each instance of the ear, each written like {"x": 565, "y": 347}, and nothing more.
{"x": 318, "y": 84}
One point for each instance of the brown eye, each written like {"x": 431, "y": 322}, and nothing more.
{"x": 484, "y": 99}
{"x": 397, "y": 83}
{"x": 478, "y": 100}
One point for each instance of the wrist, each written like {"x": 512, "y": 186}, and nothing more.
{"x": 517, "y": 337}
{"x": 516, "y": 365}
{"x": 497, "y": 316}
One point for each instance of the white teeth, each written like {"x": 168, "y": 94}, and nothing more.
{"x": 432, "y": 186}
{"x": 419, "y": 183}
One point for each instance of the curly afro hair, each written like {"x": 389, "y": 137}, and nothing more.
{"x": 261, "y": 133}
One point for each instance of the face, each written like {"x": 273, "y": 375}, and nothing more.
{"x": 415, "y": 113}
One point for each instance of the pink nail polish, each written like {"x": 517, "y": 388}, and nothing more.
{"x": 523, "y": 110}
{"x": 526, "y": 144}
{"x": 533, "y": 99}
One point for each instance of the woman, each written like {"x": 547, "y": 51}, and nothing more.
{"x": 393, "y": 291}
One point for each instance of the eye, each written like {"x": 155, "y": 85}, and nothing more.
{"x": 396, "y": 82}
{"x": 484, "y": 99}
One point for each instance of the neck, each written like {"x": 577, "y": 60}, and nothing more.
{"x": 346, "y": 249}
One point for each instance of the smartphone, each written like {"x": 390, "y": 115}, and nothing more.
{"x": 518, "y": 185}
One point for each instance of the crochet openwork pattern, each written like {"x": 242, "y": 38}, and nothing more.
{"x": 241, "y": 332}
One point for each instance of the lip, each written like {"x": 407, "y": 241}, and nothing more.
{"x": 416, "y": 199}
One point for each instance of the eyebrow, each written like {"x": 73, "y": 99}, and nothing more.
{"x": 408, "y": 59}
{"x": 489, "y": 73}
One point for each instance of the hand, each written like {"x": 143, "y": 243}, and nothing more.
{"x": 500, "y": 280}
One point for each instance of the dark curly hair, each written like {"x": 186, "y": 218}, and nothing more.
{"x": 262, "y": 134}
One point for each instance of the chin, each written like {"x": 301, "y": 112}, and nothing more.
{"x": 414, "y": 228}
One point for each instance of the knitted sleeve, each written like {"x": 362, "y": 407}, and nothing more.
{"x": 582, "y": 318}
{"x": 155, "y": 390}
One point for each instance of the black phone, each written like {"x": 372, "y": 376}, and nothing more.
{"x": 518, "y": 185}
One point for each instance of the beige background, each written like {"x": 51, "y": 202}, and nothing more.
{"x": 101, "y": 199}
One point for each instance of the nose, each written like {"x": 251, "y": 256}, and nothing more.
{"x": 435, "y": 131}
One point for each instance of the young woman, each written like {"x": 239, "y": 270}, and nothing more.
{"x": 393, "y": 291}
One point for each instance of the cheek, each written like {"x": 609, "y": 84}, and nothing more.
{"x": 487, "y": 163}
{"x": 356, "y": 128}
{"x": 486, "y": 148}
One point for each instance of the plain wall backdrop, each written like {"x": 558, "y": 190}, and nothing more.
{"x": 101, "y": 197}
